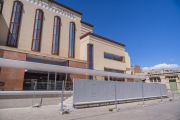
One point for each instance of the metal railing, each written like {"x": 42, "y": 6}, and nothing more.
{"x": 50, "y": 86}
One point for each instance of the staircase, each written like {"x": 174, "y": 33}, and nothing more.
{"x": 68, "y": 102}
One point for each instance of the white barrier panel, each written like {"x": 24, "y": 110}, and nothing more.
{"x": 94, "y": 91}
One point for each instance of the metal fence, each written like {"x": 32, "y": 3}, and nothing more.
{"x": 173, "y": 92}
{"x": 68, "y": 86}
{"x": 38, "y": 94}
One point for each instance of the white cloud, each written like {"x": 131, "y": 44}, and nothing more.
{"x": 162, "y": 66}
{"x": 171, "y": 59}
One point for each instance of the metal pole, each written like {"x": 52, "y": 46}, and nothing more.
{"x": 143, "y": 93}
{"x": 34, "y": 91}
{"x": 55, "y": 81}
{"x": 48, "y": 82}
{"x": 115, "y": 95}
{"x": 172, "y": 91}
{"x": 62, "y": 96}
{"x": 65, "y": 82}
{"x": 161, "y": 93}
{"x": 108, "y": 77}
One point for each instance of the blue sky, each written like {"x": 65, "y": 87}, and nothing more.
{"x": 150, "y": 29}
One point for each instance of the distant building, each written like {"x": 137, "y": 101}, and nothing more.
{"x": 169, "y": 77}
{"x": 136, "y": 69}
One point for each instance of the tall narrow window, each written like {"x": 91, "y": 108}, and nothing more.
{"x": 37, "y": 30}
{"x": 14, "y": 25}
{"x": 71, "y": 39}
{"x": 55, "y": 46}
{"x": 90, "y": 58}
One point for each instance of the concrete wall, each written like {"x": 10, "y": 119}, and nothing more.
{"x": 27, "y": 25}
{"x": 94, "y": 91}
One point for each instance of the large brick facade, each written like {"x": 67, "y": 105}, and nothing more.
{"x": 78, "y": 65}
{"x": 13, "y": 78}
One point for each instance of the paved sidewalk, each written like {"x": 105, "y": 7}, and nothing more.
{"x": 169, "y": 110}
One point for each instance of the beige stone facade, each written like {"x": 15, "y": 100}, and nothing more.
{"x": 128, "y": 63}
{"x": 67, "y": 15}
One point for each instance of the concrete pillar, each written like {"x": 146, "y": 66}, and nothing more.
{"x": 164, "y": 81}
{"x": 147, "y": 80}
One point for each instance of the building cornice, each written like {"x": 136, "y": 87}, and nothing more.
{"x": 89, "y": 33}
{"x": 55, "y": 2}
{"x": 56, "y": 10}
{"x": 87, "y": 23}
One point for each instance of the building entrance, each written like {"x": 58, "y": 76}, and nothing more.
{"x": 44, "y": 82}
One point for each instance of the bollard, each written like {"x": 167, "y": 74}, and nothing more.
{"x": 172, "y": 91}
{"x": 115, "y": 96}
{"x": 34, "y": 92}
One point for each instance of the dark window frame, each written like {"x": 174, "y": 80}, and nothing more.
{"x": 114, "y": 70}
{"x": 57, "y": 35}
{"x": 2, "y": 3}
{"x": 72, "y": 48}
{"x": 13, "y": 24}
{"x": 40, "y": 30}
{"x": 113, "y": 57}
{"x": 155, "y": 80}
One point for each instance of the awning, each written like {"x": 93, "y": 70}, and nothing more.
{"x": 19, "y": 64}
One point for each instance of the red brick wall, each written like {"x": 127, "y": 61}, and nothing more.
{"x": 13, "y": 78}
{"x": 78, "y": 65}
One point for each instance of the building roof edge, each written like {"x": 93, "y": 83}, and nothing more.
{"x": 89, "y": 33}
{"x": 65, "y": 7}
{"x": 87, "y": 23}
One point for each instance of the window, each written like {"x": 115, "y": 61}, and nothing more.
{"x": 37, "y": 30}
{"x": 14, "y": 25}
{"x": 112, "y": 70}
{"x": 90, "y": 58}
{"x": 1, "y": 6}
{"x": 71, "y": 40}
{"x": 151, "y": 80}
{"x": 55, "y": 46}
{"x": 155, "y": 80}
{"x": 159, "y": 80}
{"x": 113, "y": 57}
